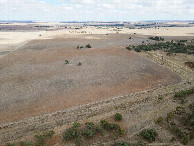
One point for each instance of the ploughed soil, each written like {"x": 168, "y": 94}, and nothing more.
{"x": 35, "y": 80}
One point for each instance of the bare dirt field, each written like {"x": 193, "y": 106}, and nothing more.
{"x": 35, "y": 80}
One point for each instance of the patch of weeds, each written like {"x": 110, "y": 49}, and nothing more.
{"x": 42, "y": 137}
{"x": 10, "y": 144}
{"x": 160, "y": 120}
{"x": 22, "y": 143}
{"x": 169, "y": 116}
{"x": 160, "y": 97}
{"x": 173, "y": 139}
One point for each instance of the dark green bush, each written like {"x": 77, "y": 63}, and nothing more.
{"x": 66, "y": 62}
{"x": 91, "y": 129}
{"x": 74, "y": 133}
{"x": 149, "y": 134}
{"x": 112, "y": 127}
{"x": 88, "y": 46}
{"x": 118, "y": 117}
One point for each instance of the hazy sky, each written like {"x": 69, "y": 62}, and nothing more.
{"x": 96, "y": 10}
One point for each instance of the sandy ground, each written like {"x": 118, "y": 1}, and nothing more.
{"x": 34, "y": 80}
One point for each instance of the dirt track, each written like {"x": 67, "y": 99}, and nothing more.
{"x": 34, "y": 80}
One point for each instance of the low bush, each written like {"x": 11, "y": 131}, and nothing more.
{"x": 183, "y": 93}
{"x": 66, "y": 62}
{"x": 118, "y": 117}
{"x": 160, "y": 120}
{"x": 79, "y": 64}
{"x": 91, "y": 129}
{"x": 149, "y": 134}
{"x": 42, "y": 137}
{"x": 88, "y": 46}
{"x": 74, "y": 133}
{"x": 112, "y": 127}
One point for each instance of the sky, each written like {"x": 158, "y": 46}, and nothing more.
{"x": 96, "y": 10}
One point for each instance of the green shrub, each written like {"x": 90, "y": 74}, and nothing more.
{"x": 183, "y": 93}
{"x": 91, "y": 129}
{"x": 112, "y": 127}
{"x": 149, "y": 134}
{"x": 66, "y": 62}
{"x": 74, "y": 133}
{"x": 88, "y": 46}
{"x": 118, "y": 117}
{"x": 79, "y": 64}
{"x": 42, "y": 137}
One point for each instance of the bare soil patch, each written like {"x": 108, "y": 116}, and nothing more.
{"x": 35, "y": 80}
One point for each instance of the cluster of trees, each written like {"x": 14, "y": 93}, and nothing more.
{"x": 156, "y": 38}
{"x": 77, "y": 132}
{"x": 169, "y": 46}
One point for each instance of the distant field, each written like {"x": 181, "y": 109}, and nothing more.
{"x": 35, "y": 80}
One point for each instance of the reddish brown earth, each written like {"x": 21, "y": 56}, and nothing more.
{"x": 35, "y": 80}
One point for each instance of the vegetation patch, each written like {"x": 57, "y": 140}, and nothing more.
{"x": 149, "y": 134}
{"x": 118, "y": 117}
{"x": 181, "y": 123}
{"x": 182, "y": 94}
{"x": 78, "y": 132}
{"x": 189, "y": 64}
{"x": 169, "y": 47}
{"x": 156, "y": 38}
